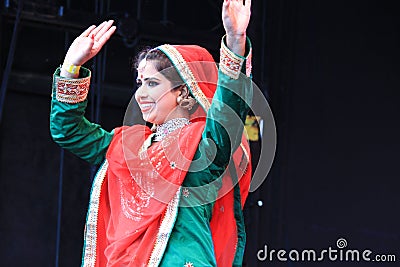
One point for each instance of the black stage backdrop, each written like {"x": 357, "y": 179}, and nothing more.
{"x": 330, "y": 70}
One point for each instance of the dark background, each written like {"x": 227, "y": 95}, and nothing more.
{"x": 330, "y": 70}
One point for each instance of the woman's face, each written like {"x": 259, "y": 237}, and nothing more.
{"x": 155, "y": 96}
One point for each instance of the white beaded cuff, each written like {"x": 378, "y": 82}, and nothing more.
{"x": 72, "y": 90}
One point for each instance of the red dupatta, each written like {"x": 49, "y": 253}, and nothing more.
{"x": 135, "y": 195}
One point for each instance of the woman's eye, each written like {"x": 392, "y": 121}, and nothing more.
{"x": 152, "y": 83}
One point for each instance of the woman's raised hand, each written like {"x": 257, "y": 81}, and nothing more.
{"x": 236, "y": 18}
{"x": 89, "y": 43}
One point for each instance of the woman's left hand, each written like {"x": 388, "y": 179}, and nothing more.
{"x": 236, "y": 17}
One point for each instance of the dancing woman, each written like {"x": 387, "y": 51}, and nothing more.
{"x": 172, "y": 194}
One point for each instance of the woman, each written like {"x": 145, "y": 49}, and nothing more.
{"x": 170, "y": 195}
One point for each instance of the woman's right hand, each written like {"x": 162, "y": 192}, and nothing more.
{"x": 87, "y": 45}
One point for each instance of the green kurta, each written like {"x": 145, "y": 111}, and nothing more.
{"x": 190, "y": 240}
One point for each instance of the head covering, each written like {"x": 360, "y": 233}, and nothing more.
{"x": 134, "y": 200}
{"x": 197, "y": 69}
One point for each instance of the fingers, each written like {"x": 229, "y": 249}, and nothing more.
{"x": 104, "y": 37}
{"x": 105, "y": 27}
{"x": 247, "y": 3}
{"x": 87, "y": 32}
{"x": 98, "y": 29}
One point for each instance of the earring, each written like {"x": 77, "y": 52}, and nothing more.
{"x": 179, "y": 99}
{"x": 187, "y": 103}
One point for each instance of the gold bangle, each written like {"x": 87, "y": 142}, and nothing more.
{"x": 71, "y": 68}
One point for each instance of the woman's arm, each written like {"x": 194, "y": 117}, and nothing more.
{"x": 230, "y": 105}
{"x": 68, "y": 126}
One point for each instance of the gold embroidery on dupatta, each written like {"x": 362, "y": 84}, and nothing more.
{"x": 90, "y": 240}
{"x": 183, "y": 68}
{"x": 165, "y": 230}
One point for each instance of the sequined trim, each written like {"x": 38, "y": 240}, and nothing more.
{"x": 248, "y": 62}
{"x": 231, "y": 64}
{"x": 164, "y": 231}
{"x": 72, "y": 90}
{"x": 184, "y": 70}
{"x": 90, "y": 240}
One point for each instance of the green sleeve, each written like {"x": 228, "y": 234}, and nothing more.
{"x": 72, "y": 131}
{"x": 226, "y": 116}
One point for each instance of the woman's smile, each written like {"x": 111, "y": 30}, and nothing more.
{"x": 146, "y": 106}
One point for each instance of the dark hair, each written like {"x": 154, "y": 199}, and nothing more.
{"x": 161, "y": 63}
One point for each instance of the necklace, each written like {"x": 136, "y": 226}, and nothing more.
{"x": 168, "y": 127}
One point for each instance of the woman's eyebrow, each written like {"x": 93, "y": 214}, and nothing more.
{"x": 147, "y": 78}
{"x": 151, "y": 78}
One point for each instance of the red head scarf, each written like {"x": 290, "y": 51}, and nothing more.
{"x": 198, "y": 70}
